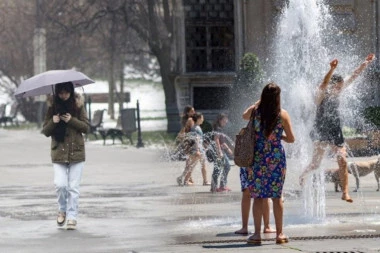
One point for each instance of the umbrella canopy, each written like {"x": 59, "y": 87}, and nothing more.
{"x": 43, "y": 83}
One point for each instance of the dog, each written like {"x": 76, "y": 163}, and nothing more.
{"x": 361, "y": 169}
{"x": 332, "y": 175}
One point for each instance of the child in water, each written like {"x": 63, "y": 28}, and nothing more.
{"x": 197, "y": 152}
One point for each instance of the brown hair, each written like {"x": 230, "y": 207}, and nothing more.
{"x": 335, "y": 78}
{"x": 185, "y": 114}
{"x": 218, "y": 119}
{"x": 197, "y": 116}
{"x": 270, "y": 107}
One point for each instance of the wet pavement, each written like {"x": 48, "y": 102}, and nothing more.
{"x": 130, "y": 203}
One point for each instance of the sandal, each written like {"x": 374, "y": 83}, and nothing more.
{"x": 282, "y": 240}
{"x": 223, "y": 189}
{"x": 206, "y": 183}
{"x": 254, "y": 241}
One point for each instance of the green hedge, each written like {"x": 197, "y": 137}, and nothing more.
{"x": 372, "y": 114}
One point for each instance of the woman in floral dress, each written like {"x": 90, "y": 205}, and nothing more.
{"x": 267, "y": 175}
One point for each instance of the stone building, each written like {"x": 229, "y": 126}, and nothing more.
{"x": 213, "y": 35}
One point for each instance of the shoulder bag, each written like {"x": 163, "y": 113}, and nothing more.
{"x": 245, "y": 144}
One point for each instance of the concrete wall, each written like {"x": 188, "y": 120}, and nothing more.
{"x": 259, "y": 22}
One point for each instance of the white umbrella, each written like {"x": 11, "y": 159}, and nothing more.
{"x": 43, "y": 83}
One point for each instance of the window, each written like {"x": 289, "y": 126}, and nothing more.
{"x": 209, "y": 31}
{"x": 211, "y": 98}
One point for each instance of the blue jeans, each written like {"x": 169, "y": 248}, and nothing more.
{"x": 67, "y": 178}
{"x": 221, "y": 168}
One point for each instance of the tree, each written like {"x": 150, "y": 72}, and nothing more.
{"x": 16, "y": 49}
{"x": 246, "y": 89}
{"x": 93, "y": 37}
{"x": 153, "y": 21}
{"x": 112, "y": 35}
{"x": 85, "y": 34}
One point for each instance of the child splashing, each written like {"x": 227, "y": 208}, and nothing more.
{"x": 197, "y": 153}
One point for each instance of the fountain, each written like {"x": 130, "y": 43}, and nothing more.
{"x": 304, "y": 45}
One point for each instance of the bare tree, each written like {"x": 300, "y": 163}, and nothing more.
{"x": 16, "y": 37}
{"x": 153, "y": 21}
{"x": 112, "y": 36}
{"x": 92, "y": 36}
{"x": 98, "y": 25}
{"x": 16, "y": 48}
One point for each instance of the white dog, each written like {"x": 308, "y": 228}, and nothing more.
{"x": 361, "y": 169}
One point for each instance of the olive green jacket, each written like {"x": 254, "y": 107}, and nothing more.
{"x": 72, "y": 149}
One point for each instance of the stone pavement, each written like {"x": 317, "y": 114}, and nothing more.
{"x": 131, "y": 203}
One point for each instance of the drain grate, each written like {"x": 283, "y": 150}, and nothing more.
{"x": 296, "y": 238}
{"x": 339, "y": 252}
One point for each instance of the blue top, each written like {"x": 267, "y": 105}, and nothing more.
{"x": 197, "y": 130}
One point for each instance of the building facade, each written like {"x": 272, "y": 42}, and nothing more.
{"x": 213, "y": 35}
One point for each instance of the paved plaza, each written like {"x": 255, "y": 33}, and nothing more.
{"x": 130, "y": 203}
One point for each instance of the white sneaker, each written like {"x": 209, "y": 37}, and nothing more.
{"x": 61, "y": 218}
{"x": 71, "y": 224}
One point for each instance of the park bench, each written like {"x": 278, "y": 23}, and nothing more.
{"x": 12, "y": 117}
{"x": 125, "y": 126}
{"x": 2, "y": 110}
{"x": 3, "y": 107}
{"x": 96, "y": 122}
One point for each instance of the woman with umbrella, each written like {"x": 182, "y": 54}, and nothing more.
{"x": 65, "y": 123}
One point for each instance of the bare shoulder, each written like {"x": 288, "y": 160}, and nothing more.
{"x": 190, "y": 122}
{"x": 284, "y": 114}
{"x": 285, "y": 117}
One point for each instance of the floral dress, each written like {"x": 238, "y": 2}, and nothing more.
{"x": 267, "y": 175}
